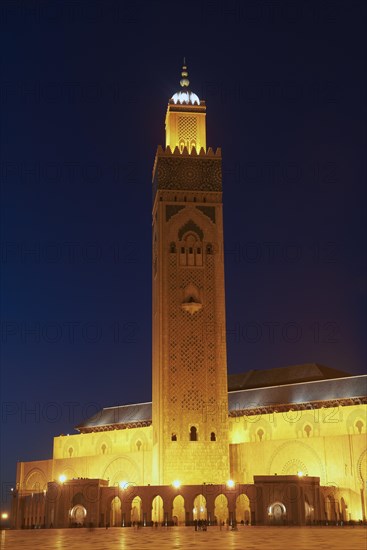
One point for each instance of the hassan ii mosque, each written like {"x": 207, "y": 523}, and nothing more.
{"x": 286, "y": 445}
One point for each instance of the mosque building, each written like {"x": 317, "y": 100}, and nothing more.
{"x": 286, "y": 445}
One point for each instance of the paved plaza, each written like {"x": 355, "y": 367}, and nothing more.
{"x": 185, "y": 538}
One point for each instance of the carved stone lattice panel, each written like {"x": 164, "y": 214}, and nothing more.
{"x": 192, "y": 342}
{"x": 173, "y": 327}
{"x": 191, "y": 174}
{"x": 210, "y": 297}
{"x": 187, "y": 128}
{"x": 191, "y": 276}
{"x": 192, "y": 353}
{"x": 193, "y": 400}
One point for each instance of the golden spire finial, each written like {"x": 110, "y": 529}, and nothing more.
{"x": 184, "y": 80}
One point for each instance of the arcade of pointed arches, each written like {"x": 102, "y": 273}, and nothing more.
{"x": 118, "y": 508}
{"x": 177, "y": 510}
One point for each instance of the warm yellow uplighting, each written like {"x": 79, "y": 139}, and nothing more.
{"x": 123, "y": 484}
{"x": 300, "y": 474}
{"x": 4, "y": 515}
{"x": 230, "y": 483}
{"x": 62, "y": 478}
{"x": 176, "y": 484}
{"x": 185, "y": 120}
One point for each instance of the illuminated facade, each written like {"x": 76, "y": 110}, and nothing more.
{"x": 280, "y": 445}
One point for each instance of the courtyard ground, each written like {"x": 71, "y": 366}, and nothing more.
{"x": 186, "y": 538}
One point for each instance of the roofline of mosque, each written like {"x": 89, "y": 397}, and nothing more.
{"x": 129, "y": 405}
{"x": 266, "y": 409}
{"x": 240, "y": 408}
{"x": 299, "y": 383}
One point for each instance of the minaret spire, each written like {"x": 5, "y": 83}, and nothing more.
{"x": 184, "y": 96}
{"x": 184, "y": 80}
{"x": 185, "y": 118}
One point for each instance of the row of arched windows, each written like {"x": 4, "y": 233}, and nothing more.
{"x": 190, "y": 249}
{"x": 193, "y": 435}
{"x": 191, "y": 253}
{"x": 194, "y": 199}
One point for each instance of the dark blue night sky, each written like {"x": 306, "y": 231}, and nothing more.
{"x": 84, "y": 91}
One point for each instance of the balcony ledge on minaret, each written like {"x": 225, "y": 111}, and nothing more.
{"x": 191, "y": 306}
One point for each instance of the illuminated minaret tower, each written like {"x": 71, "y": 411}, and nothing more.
{"x": 190, "y": 409}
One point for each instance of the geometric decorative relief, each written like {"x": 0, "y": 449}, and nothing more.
{"x": 173, "y": 328}
{"x": 293, "y": 467}
{"x": 121, "y": 469}
{"x": 188, "y": 174}
{"x": 193, "y": 400}
{"x": 359, "y": 425}
{"x": 35, "y": 480}
{"x": 352, "y": 419}
{"x": 103, "y": 445}
{"x": 307, "y": 425}
{"x": 210, "y": 305}
{"x": 286, "y": 457}
{"x": 362, "y": 467}
{"x": 190, "y": 277}
{"x": 209, "y": 211}
{"x": 187, "y": 129}
{"x": 192, "y": 227}
{"x": 171, "y": 210}
{"x": 70, "y": 448}
{"x": 264, "y": 426}
{"x": 139, "y": 443}
{"x": 192, "y": 352}
{"x": 192, "y": 355}
{"x": 307, "y": 429}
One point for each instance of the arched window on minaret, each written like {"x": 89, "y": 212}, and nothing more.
{"x": 199, "y": 256}
{"x": 173, "y": 437}
{"x": 193, "y": 433}
{"x": 213, "y": 437}
{"x": 191, "y": 245}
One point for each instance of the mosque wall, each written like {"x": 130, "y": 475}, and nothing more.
{"x": 327, "y": 443}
